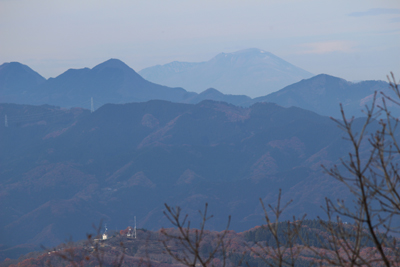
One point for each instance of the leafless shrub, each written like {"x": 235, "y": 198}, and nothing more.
{"x": 189, "y": 241}
{"x": 284, "y": 251}
{"x": 372, "y": 177}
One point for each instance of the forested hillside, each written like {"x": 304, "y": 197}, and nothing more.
{"x": 64, "y": 169}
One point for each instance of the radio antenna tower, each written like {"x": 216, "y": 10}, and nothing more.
{"x": 105, "y": 235}
{"x": 91, "y": 105}
{"x": 5, "y": 121}
{"x": 134, "y": 229}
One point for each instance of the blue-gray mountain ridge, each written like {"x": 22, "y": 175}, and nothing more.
{"x": 115, "y": 82}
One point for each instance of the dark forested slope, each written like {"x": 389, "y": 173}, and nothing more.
{"x": 63, "y": 169}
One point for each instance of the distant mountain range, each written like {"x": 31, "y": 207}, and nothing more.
{"x": 109, "y": 82}
{"x": 251, "y": 72}
{"x": 63, "y": 169}
{"x": 115, "y": 82}
{"x": 323, "y": 94}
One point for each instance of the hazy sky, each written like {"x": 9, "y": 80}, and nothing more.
{"x": 355, "y": 40}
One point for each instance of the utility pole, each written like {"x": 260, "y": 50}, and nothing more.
{"x": 5, "y": 121}
{"x": 91, "y": 105}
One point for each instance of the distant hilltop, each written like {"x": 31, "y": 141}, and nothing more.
{"x": 252, "y": 72}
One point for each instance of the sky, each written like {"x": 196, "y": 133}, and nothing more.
{"x": 355, "y": 40}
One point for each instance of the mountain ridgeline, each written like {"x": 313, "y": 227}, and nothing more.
{"x": 18, "y": 83}
{"x": 324, "y": 93}
{"x": 115, "y": 82}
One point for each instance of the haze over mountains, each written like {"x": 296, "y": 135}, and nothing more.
{"x": 252, "y": 72}
{"x": 115, "y": 82}
{"x": 63, "y": 168}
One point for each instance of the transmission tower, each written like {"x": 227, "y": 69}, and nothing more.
{"x": 134, "y": 229}
{"x": 91, "y": 105}
{"x": 5, "y": 121}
